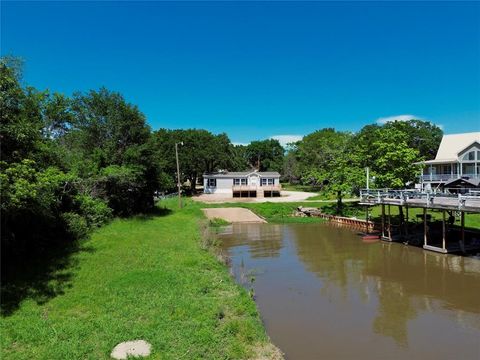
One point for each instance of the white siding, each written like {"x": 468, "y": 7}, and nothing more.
{"x": 224, "y": 186}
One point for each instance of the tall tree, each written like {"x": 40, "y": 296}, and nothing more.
{"x": 421, "y": 135}
{"x": 110, "y": 142}
{"x": 265, "y": 155}
{"x": 201, "y": 152}
{"x": 394, "y": 159}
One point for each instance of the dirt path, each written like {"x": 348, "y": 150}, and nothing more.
{"x": 233, "y": 215}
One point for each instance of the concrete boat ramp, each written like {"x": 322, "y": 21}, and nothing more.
{"x": 233, "y": 215}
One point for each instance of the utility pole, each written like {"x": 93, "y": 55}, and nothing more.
{"x": 179, "y": 185}
{"x": 367, "y": 169}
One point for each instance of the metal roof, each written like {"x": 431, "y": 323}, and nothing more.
{"x": 453, "y": 144}
{"x": 242, "y": 174}
{"x": 437, "y": 161}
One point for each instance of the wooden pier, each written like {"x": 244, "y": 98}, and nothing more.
{"x": 455, "y": 205}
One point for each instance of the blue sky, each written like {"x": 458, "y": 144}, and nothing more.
{"x": 259, "y": 69}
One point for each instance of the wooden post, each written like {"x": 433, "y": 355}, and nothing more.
{"x": 383, "y": 221}
{"x": 400, "y": 220}
{"x": 443, "y": 230}
{"x": 389, "y": 227}
{"x": 406, "y": 220}
{"x": 462, "y": 230}
{"x": 366, "y": 218}
{"x": 425, "y": 226}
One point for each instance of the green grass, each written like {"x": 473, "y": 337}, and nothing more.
{"x": 274, "y": 212}
{"x": 471, "y": 220}
{"x": 283, "y": 212}
{"x": 142, "y": 278}
{"x": 298, "y": 187}
{"x": 217, "y": 222}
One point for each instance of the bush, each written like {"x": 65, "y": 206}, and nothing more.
{"x": 75, "y": 224}
{"x": 126, "y": 190}
{"x": 95, "y": 211}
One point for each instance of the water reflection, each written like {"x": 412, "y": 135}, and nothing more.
{"x": 318, "y": 285}
{"x": 262, "y": 241}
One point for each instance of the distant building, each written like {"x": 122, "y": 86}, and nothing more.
{"x": 243, "y": 184}
{"x": 456, "y": 166}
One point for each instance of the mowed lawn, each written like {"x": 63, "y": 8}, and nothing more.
{"x": 143, "y": 278}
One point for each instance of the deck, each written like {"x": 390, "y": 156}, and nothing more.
{"x": 451, "y": 239}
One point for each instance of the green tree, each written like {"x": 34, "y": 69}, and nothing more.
{"x": 394, "y": 159}
{"x": 110, "y": 141}
{"x": 265, "y": 155}
{"x": 201, "y": 152}
{"x": 421, "y": 135}
{"x": 239, "y": 161}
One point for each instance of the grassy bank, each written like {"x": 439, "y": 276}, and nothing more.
{"x": 282, "y": 212}
{"x": 142, "y": 278}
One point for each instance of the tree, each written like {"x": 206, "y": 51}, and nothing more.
{"x": 239, "y": 161}
{"x": 394, "y": 159}
{"x": 421, "y": 135}
{"x": 110, "y": 141}
{"x": 317, "y": 153}
{"x": 265, "y": 155}
{"x": 201, "y": 152}
{"x": 291, "y": 169}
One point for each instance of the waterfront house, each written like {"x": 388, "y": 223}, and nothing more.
{"x": 456, "y": 166}
{"x": 243, "y": 184}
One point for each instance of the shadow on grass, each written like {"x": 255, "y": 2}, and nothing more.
{"x": 153, "y": 213}
{"x": 39, "y": 276}
{"x": 47, "y": 270}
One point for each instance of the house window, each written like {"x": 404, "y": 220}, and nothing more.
{"x": 239, "y": 181}
{"x": 470, "y": 156}
{"x": 212, "y": 182}
{"x": 267, "y": 181}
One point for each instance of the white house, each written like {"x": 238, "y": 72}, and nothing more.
{"x": 456, "y": 166}
{"x": 243, "y": 184}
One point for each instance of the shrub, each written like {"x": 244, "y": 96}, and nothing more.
{"x": 95, "y": 211}
{"x": 76, "y": 225}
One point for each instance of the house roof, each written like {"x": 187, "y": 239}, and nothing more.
{"x": 452, "y": 144}
{"x": 242, "y": 174}
{"x": 474, "y": 182}
{"x": 437, "y": 161}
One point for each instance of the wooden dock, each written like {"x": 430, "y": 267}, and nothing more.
{"x": 451, "y": 204}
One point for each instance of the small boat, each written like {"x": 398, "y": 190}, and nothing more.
{"x": 370, "y": 237}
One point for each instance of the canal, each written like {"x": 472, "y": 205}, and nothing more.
{"x": 323, "y": 293}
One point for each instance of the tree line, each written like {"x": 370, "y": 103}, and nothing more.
{"x": 335, "y": 162}
{"x": 71, "y": 163}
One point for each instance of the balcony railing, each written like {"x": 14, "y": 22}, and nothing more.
{"x": 447, "y": 177}
{"x": 257, "y": 187}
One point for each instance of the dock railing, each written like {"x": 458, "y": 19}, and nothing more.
{"x": 469, "y": 201}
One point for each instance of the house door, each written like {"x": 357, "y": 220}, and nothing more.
{"x": 253, "y": 180}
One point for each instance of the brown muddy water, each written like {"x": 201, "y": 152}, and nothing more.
{"x": 323, "y": 293}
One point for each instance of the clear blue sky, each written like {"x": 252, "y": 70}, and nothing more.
{"x": 254, "y": 70}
